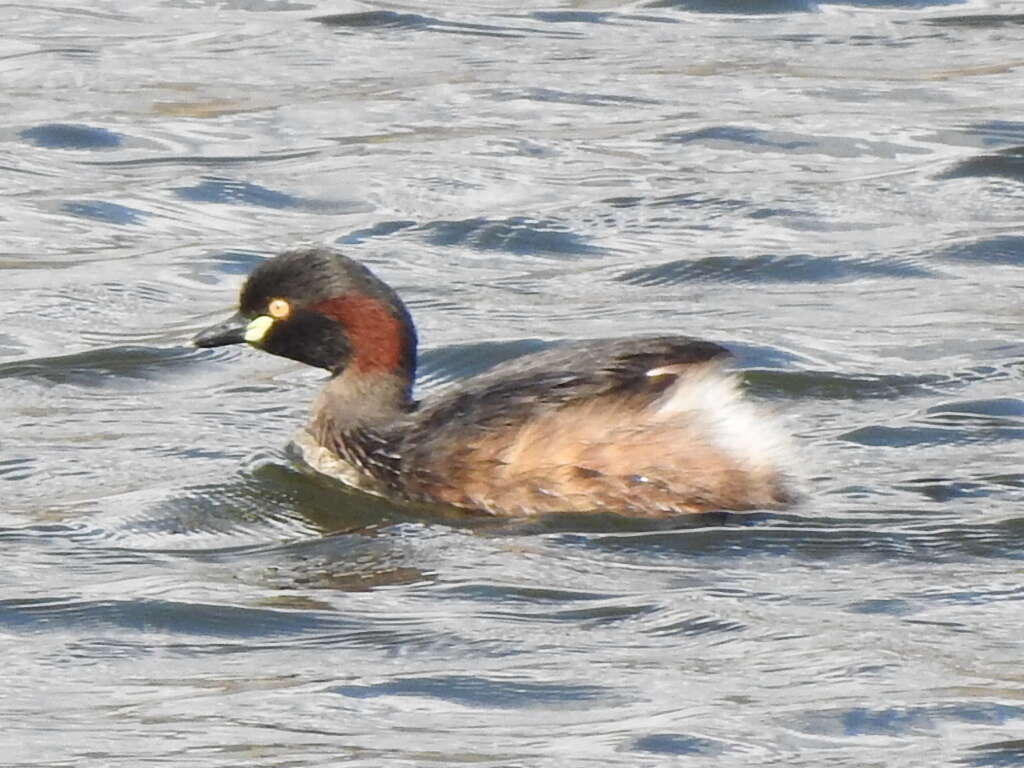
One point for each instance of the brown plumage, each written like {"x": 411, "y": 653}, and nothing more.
{"x": 650, "y": 426}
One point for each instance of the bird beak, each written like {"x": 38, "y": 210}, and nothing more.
{"x": 231, "y": 331}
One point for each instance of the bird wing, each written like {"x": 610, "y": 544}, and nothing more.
{"x": 617, "y": 425}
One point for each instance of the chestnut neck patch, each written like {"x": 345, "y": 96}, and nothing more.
{"x": 376, "y": 335}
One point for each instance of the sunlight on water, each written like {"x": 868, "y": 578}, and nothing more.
{"x": 832, "y": 190}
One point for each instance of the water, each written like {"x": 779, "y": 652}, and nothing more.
{"x": 832, "y": 190}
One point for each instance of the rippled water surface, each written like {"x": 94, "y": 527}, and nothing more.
{"x": 834, "y": 191}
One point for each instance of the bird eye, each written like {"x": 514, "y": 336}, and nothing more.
{"x": 279, "y": 309}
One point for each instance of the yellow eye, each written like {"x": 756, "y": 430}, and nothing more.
{"x": 279, "y": 309}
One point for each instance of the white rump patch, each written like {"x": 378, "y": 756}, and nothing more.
{"x": 710, "y": 396}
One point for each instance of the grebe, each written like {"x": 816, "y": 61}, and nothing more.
{"x": 649, "y": 427}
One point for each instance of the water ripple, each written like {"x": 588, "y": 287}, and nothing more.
{"x": 997, "y": 754}
{"x": 71, "y": 136}
{"x": 161, "y": 616}
{"x": 111, "y": 367}
{"x": 901, "y": 721}
{"x": 391, "y": 20}
{"x": 481, "y": 691}
{"x": 517, "y": 235}
{"x": 814, "y": 543}
{"x": 1006, "y": 250}
{"x": 1004, "y": 164}
{"x": 737, "y": 6}
{"x": 788, "y": 268}
{"x": 682, "y": 745}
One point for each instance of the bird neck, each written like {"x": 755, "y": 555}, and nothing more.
{"x": 353, "y": 399}
{"x": 354, "y": 418}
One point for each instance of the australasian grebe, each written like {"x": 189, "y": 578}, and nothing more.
{"x": 649, "y": 427}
